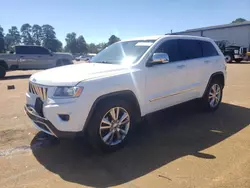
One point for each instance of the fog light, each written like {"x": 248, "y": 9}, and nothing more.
{"x": 64, "y": 117}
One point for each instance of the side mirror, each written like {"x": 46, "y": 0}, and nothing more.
{"x": 51, "y": 53}
{"x": 159, "y": 58}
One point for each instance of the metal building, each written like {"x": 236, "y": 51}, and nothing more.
{"x": 236, "y": 34}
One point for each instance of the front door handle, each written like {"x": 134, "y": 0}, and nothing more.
{"x": 207, "y": 61}
{"x": 21, "y": 56}
{"x": 180, "y": 66}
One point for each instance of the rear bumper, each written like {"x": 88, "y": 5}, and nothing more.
{"x": 45, "y": 125}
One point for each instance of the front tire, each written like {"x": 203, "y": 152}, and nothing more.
{"x": 212, "y": 98}
{"x": 111, "y": 124}
{"x": 228, "y": 58}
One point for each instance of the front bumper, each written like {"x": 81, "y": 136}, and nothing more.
{"x": 238, "y": 56}
{"x": 45, "y": 125}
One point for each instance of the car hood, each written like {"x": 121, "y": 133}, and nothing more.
{"x": 70, "y": 75}
{"x": 63, "y": 55}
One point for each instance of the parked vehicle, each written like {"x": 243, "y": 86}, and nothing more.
{"x": 32, "y": 57}
{"x": 85, "y": 57}
{"x": 124, "y": 82}
{"x": 232, "y": 52}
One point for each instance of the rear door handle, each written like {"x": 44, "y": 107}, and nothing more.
{"x": 207, "y": 61}
{"x": 21, "y": 56}
{"x": 180, "y": 66}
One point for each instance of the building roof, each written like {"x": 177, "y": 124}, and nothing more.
{"x": 216, "y": 27}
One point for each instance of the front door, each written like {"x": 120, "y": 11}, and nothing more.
{"x": 166, "y": 83}
{"x": 45, "y": 59}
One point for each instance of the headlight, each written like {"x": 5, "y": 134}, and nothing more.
{"x": 236, "y": 51}
{"x": 68, "y": 91}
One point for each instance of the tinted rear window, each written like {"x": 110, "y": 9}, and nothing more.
{"x": 208, "y": 49}
{"x": 190, "y": 49}
{"x": 31, "y": 50}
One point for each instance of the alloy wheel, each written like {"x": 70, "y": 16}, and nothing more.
{"x": 114, "y": 126}
{"x": 228, "y": 58}
{"x": 214, "y": 96}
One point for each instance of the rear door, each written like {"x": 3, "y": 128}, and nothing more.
{"x": 191, "y": 53}
{"x": 210, "y": 62}
{"x": 44, "y": 58}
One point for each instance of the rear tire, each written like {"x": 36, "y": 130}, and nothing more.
{"x": 59, "y": 63}
{"x": 212, "y": 97}
{"x": 62, "y": 62}
{"x": 2, "y": 72}
{"x": 111, "y": 125}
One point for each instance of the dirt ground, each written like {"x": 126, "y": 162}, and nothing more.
{"x": 178, "y": 147}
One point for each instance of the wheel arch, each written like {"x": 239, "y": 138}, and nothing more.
{"x": 218, "y": 76}
{"x": 4, "y": 64}
{"x": 128, "y": 95}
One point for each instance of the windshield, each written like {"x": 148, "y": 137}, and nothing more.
{"x": 127, "y": 52}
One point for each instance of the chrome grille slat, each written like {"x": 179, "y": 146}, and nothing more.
{"x": 41, "y": 91}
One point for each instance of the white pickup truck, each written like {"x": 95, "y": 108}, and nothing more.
{"x": 32, "y": 57}
{"x": 124, "y": 82}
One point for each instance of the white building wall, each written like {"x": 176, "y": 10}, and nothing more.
{"x": 235, "y": 35}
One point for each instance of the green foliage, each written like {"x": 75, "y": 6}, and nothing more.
{"x": 1, "y": 40}
{"x": 45, "y": 35}
{"x": 12, "y": 38}
{"x": 75, "y": 45}
{"x": 1, "y": 32}
{"x": 53, "y": 44}
{"x": 49, "y": 40}
{"x": 26, "y": 34}
{"x": 37, "y": 34}
{"x": 113, "y": 39}
{"x": 92, "y": 48}
{"x": 81, "y": 45}
{"x": 101, "y": 46}
{"x": 239, "y": 20}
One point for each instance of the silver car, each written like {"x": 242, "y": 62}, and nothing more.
{"x": 32, "y": 57}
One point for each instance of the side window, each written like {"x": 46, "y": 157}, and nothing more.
{"x": 171, "y": 48}
{"x": 208, "y": 49}
{"x": 190, "y": 49}
{"x": 39, "y": 50}
{"x": 22, "y": 50}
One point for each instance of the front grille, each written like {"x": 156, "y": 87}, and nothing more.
{"x": 38, "y": 90}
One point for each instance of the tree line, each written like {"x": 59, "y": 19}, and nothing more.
{"x": 45, "y": 35}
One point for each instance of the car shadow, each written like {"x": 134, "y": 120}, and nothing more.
{"x": 13, "y": 77}
{"x": 161, "y": 138}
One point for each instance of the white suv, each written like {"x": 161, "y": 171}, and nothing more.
{"x": 124, "y": 82}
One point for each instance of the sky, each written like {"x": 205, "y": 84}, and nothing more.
{"x": 97, "y": 20}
